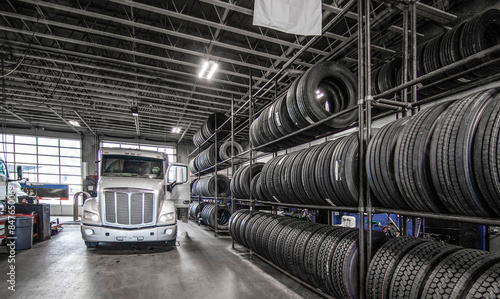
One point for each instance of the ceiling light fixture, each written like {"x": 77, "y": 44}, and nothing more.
{"x": 208, "y": 69}
{"x": 74, "y": 123}
{"x": 176, "y": 130}
{"x": 134, "y": 110}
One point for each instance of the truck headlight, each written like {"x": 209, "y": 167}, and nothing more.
{"x": 166, "y": 218}
{"x": 90, "y": 217}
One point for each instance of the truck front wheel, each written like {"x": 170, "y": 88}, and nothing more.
{"x": 91, "y": 244}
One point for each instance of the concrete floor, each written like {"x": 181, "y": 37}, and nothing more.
{"x": 201, "y": 267}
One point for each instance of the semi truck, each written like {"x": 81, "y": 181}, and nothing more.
{"x": 139, "y": 195}
{"x": 9, "y": 188}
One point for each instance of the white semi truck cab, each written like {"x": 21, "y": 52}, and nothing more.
{"x": 138, "y": 196}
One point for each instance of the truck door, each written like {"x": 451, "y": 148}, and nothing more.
{"x": 178, "y": 188}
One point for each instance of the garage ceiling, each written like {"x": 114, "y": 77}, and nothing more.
{"x": 91, "y": 61}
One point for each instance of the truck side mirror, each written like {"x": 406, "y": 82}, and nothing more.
{"x": 19, "y": 172}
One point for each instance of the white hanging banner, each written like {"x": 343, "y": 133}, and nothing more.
{"x": 301, "y": 17}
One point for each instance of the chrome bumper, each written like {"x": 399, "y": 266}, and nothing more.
{"x": 108, "y": 234}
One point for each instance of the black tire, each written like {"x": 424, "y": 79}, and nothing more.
{"x": 412, "y": 163}
{"x": 380, "y": 165}
{"x": 246, "y": 176}
{"x": 296, "y": 176}
{"x": 285, "y": 124}
{"x": 277, "y": 180}
{"x": 338, "y": 86}
{"x": 246, "y": 227}
{"x": 265, "y": 237}
{"x": 384, "y": 263}
{"x": 478, "y": 34}
{"x": 226, "y": 148}
{"x": 414, "y": 268}
{"x": 326, "y": 255}
{"x": 449, "y": 270}
{"x": 322, "y": 174}
{"x": 255, "y": 232}
{"x": 278, "y": 236}
{"x": 234, "y": 222}
{"x": 472, "y": 273}
{"x": 308, "y": 176}
{"x": 450, "y": 53}
{"x": 285, "y": 250}
{"x": 206, "y": 186}
{"x": 451, "y": 151}
{"x": 296, "y": 266}
{"x": 210, "y": 215}
{"x": 486, "y": 142}
{"x": 286, "y": 178}
{"x": 487, "y": 285}
{"x": 345, "y": 265}
{"x": 344, "y": 171}
{"x": 310, "y": 266}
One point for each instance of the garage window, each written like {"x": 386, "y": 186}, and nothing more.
{"x": 44, "y": 160}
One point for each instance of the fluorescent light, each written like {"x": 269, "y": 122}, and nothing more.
{"x": 203, "y": 69}
{"x": 74, "y": 123}
{"x": 205, "y": 72}
{"x": 212, "y": 71}
{"x": 176, "y": 130}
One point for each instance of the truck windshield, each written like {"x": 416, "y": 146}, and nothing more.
{"x": 127, "y": 166}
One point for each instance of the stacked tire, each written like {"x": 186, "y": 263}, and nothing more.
{"x": 243, "y": 178}
{"x": 468, "y": 38}
{"x": 325, "y": 174}
{"x": 442, "y": 159}
{"x": 210, "y": 215}
{"x": 228, "y": 150}
{"x": 323, "y": 90}
{"x": 206, "y": 186}
{"x": 203, "y": 137}
{"x": 408, "y": 267}
{"x": 195, "y": 209}
{"x": 206, "y": 159}
{"x": 321, "y": 255}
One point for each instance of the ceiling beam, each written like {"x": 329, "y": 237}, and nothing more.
{"x": 64, "y": 120}
{"x": 106, "y": 110}
{"x": 16, "y": 116}
{"x": 116, "y": 71}
{"x": 225, "y": 27}
{"x": 120, "y": 63}
{"x": 193, "y": 66}
{"x": 118, "y": 94}
{"x": 136, "y": 40}
{"x": 94, "y": 85}
{"x": 84, "y": 122}
{"x": 163, "y": 31}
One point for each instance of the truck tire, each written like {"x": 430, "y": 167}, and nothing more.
{"x": 91, "y": 244}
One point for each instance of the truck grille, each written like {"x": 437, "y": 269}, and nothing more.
{"x": 128, "y": 208}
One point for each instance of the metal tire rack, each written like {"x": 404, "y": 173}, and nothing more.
{"x": 408, "y": 105}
